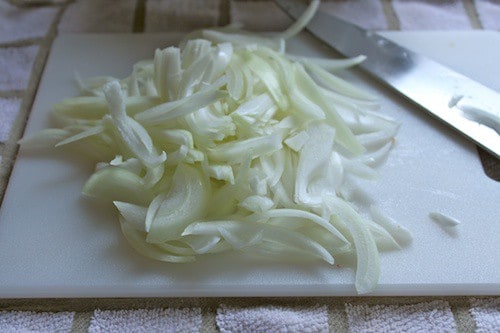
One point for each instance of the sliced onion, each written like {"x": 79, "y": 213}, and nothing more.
{"x": 228, "y": 143}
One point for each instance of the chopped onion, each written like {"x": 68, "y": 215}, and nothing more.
{"x": 443, "y": 219}
{"x": 228, "y": 143}
{"x": 399, "y": 232}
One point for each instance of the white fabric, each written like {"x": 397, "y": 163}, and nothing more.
{"x": 431, "y": 15}
{"x": 270, "y": 18}
{"x": 180, "y": 15}
{"x": 98, "y": 16}
{"x": 147, "y": 320}
{"x": 489, "y": 13}
{"x": 24, "y": 23}
{"x": 433, "y": 316}
{"x": 486, "y": 314}
{"x": 269, "y": 319}
{"x": 41, "y": 322}
{"x": 9, "y": 108}
{"x": 367, "y": 14}
{"x": 15, "y": 67}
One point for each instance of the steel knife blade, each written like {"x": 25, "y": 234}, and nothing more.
{"x": 466, "y": 105}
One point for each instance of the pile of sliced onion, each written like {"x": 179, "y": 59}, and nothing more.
{"x": 229, "y": 143}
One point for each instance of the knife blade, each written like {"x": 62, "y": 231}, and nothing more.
{"x": 466, "y": 105}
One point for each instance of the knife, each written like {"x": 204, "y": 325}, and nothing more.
{"x": 466, "y": 105}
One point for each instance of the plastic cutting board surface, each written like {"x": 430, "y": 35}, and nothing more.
{"x": 54, "y": 243}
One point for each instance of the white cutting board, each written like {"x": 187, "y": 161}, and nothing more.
{"x": 54, "y": 243}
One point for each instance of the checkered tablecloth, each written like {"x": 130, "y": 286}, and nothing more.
{"x": 27, "y": 30}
